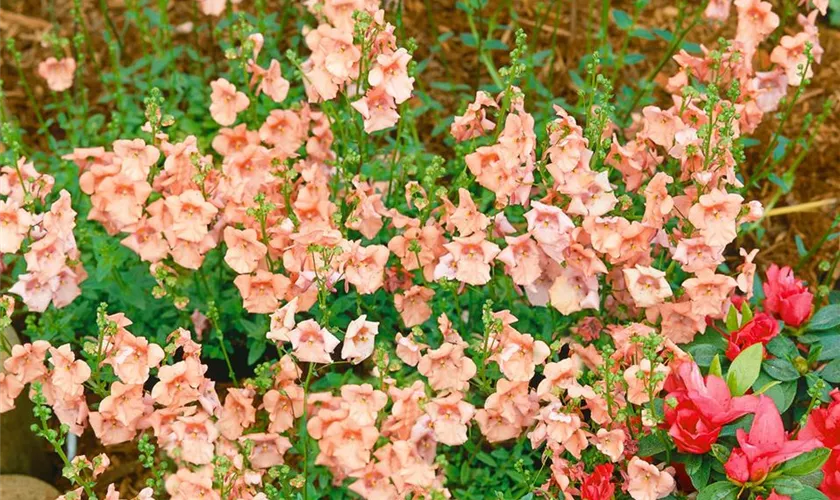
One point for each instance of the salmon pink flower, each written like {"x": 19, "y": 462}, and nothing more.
{"x": 520, "y": 354}
{"x": 132, "y": 358}
{"x": 226, "y": 102}
{"x": 136, "y": 158}
{"x": 237, "y": 414}
{"x": 283, "y": 321}
{"x": 648, "y": 482}
{"x": 715, "y": 216}
{"x": 648, "y": 286}
{"x": 466, "y": 218}
{"x": 408, "y": 350}
{"x": 244, "y": 250}
{"x": 447, "y": 367}
{"x": 523, "y": 259}
{"x": 573, "y": 291}
{"x": 68, "y": 373}
{"x": 273, "y": 84}
{"x": 283, "y": 406}
{"x": 364, "y": 267}
{"x": 378, "y": 110}
{"x": 449, "y": 418}
{"x": 262, "y": 292}
{"x": 27, "y": 361}
{"x": 186, "y": 484}
{"x": 474, "y": 123}
{"x": 708, "y": 292}
{"x": 268, "y": 449}
{"x": 311, "y": 343}
{"x": 472, "y": 256}
{"x": 413, "y": 305}
{"x": 610, "y": 443}
{"x": 359, "y": 339}
{"x": 14, "y": 225}
{"x": 10, "y": 389}
{"x": 391, "y": 73}
{"x": 58, "y": 73}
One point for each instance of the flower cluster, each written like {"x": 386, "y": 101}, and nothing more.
{"x": 610, "y": 329}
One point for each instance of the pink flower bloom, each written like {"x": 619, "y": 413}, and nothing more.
{"x": 68, "y": 373}
{"x": 268, "y": 449}
{"x": 708, "y": 292}
{"x": 523, "y": 259}
{"x": 136, "y": 158}
{"x": 283, "y": 406}
{"x": 283, "y": 128}
{"x": 14, "y": 225}
{"x": 413, "y": 305}
{"x": 648, "y": 286}
{"x": 238, "y": 413}
{"x": 408, "y": 350}
{"x": 467, "y": 218}
{"x": 10, "y": 389}
{"x": 787, "y": 297}
{"x": 378, "y": 110}
{"x": 262, "y": 292}
{"x": 359, "y": 339}
{"x": 638, "y": 378}
{"x": 610, "y": 443}
{"x": 311, "y": 343}
{"x": 474, "y": 123}
{"x": 573, "y": 291}
{"x": 226, "y": 102}
{"x": 715, "y": 215}
{"x": 391, "y": 73}
{"x": 188, "y": 485}
{"x": 195, "y": 436}
{"x": 132, "y": 357}
{"x": 364, "y": 267}
{"x": 27, "y": 361}
{"x": 520, "y": 354}
{"x": 647, "y": 482}
{"x": 550, "y": 227}
{"x": 661, "y": 126}
{"x": 58, "y": 73}
{"x": 178, "y": 384}
{"x": 472, "y": 256}
{"x": 765, "y": 447}
{"x": 125, "y": 403}
{"x": 283, "y": 321}
{"x": 450, "y": 416}
{"x": 244, "y": 250}
{"x": 756, "y": 21}
{"x": 447, "y": 367}
{"x": 273, "y": 84}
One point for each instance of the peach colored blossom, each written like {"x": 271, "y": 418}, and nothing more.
{"x": 261, "y": 292}
{"x": 378, "y": 110}
{"x": 283, "y": 406}
{"x": 647, "y": 482}
{"x": 58, "y": 73}
{"x": 610, "y": 443}
{"x": 648, "y": 286}
{"x": 283, "y": 321}
{"x": 244, "y": 250}
{"x": 359, "y": 339}
{"x": 472, "y": 257}
{"x": 311, "y": 343}
{"x": 413, "y": 305}
{"x": 449, "y": 418}
{"x": 226, "y": 102}
{"x": 447, "y": 367}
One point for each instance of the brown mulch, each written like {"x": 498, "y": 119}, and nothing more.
{"x": 818, "y": 177}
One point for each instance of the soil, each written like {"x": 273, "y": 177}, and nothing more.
{"x": 817, "y": 179}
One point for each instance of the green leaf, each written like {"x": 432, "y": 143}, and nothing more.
{"x": 785, "y": 485}
{"x": 782, "y": 347}
{"x": 782, "y": 394}
{"x": 747, "y": 314}
{"x": 805, "y": 463}
{"x": 781, "y": 369}
{"x": 651, "y": 445}
{"x": 720, "y": 452}
{"x": 698, "y": 468}
{"x": 622, "y": 19}
{"x": 256, "y": 350}
{"x": 714, "y": 368}
{"x": 808, "y": 493}
{"x": 745, "y": 369}
{"x": 721, "y": 490}
{"x": 826, "y": 318}
{"x": 732, "y": 319}
{"x": 831, "y": 372}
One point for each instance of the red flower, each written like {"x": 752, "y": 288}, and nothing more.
{"x": 711, "y": 397}
{"x": 764, "y": 447}
{"x": 824, "y": 424}
{"x": 831, "y": 478}
{"x": 774, "y": 496}
{"x": 598, "y": 485}
{"x": 761, "y": 328}
{"x": 787, "y": 297}
{"x": 691, "y": 431}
